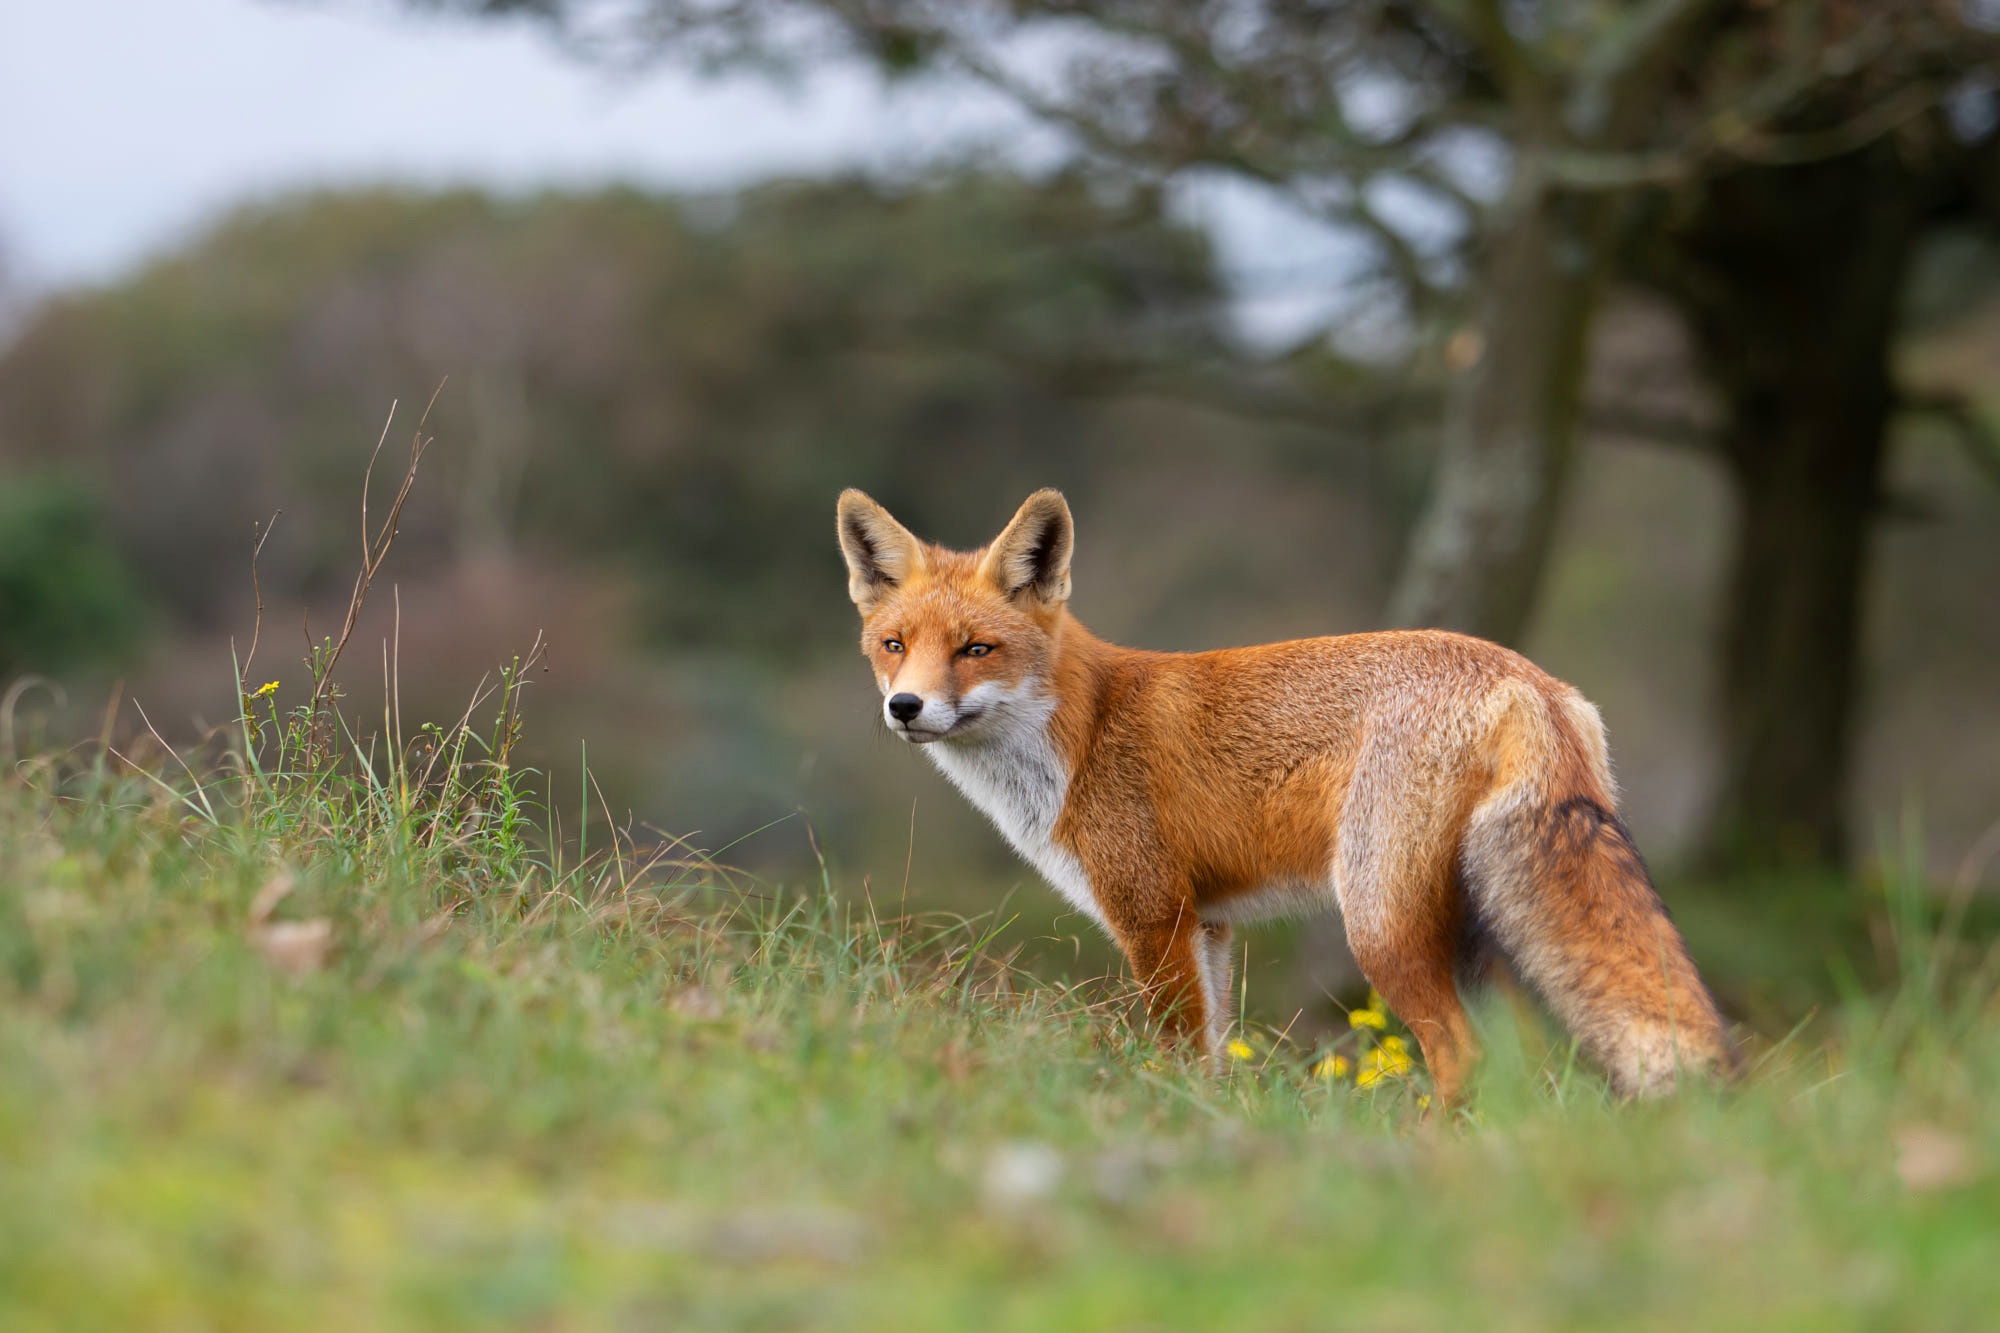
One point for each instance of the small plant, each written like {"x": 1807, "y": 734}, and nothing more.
{"x": 452, "y": 792}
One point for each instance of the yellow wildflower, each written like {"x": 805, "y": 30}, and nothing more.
{"x": 1384, "y": 1062}
{"x": 1370, "y": 1017}
{"x": 1423, "y": 1101}
{"x": 1332, "y": 1067}
{"x": 262, "y": 690}
{"x": 1240, "y": 1050}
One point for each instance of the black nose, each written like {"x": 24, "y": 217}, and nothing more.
{"x": 903, "y": 707}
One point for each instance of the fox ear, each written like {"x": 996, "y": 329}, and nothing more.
{"x": 1031, "y": 558}
{"x": 880, "y": 552}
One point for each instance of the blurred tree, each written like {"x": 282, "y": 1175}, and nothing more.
{"x": 1792, "y": 273}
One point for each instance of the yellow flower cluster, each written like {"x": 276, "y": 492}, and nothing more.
{"x": 268, "y": 688}
{"x": 1376, "y": 1015}
{"x": 1241, "y": 1050}
{"x": 1389, "y": 1059}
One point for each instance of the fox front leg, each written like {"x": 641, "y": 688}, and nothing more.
{"x": 1182, "y": 965}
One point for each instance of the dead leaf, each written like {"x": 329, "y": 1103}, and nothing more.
{"x": 1018, "y": 1175}
{"x": 956, "y": 1061}
{"x": 296, "y": 948}
{"x": 697, "y": 1003}
{"x": 269, "y": 897}
{"x": 1929, "y": 1158}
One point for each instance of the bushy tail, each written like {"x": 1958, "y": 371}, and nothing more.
{"x": 1556, "y": 881}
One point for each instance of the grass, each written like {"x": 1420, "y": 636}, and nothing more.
{"x": 293, "y": 1052}
{"x": 308, "y": 1031}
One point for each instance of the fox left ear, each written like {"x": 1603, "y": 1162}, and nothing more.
{"x": 1031, "y": 558}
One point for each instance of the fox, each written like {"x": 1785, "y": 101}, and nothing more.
{"x": 1452, "y": 801}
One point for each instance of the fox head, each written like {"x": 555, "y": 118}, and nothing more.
{"x": 961, "y": 642}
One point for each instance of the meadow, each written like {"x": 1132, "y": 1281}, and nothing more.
{"x": 313, "y": 1030}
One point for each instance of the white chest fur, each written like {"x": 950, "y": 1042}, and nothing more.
{"x": 1016, "y": 776}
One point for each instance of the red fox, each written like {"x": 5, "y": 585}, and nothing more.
{"x": 1449, "y": 797}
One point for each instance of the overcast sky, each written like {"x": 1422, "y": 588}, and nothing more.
{"x": 131, "y": 123}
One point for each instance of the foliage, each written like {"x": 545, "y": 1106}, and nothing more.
{"x": 66, "y": 598}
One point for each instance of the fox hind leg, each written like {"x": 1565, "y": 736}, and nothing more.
{"x": 1406, "y": 925}
{"x": 1414, "y": 973}
{"x": 1218, "y": 1001}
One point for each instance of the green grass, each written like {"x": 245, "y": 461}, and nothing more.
{"x": 516, "y": 1092}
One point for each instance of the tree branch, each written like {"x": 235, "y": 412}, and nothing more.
{"x": 1974, "y": 434}
{"x": 1400, "y": 256}
{"x": 1656, "y": 428}
{"x": 1726, "y": 136}
{"x": 1521, "y": 79}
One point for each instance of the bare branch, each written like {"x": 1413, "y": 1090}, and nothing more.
{"x": 1972, "y": 431}
{"x": 1647, "y": 34}
{"x": 1353, "y": 211}
{"x": 257, "y": 591}
{"x": 1855, "y": 133}
{"x": 374, "y": 551}
{"x": 1482, "y": 23}
{"x": 1726, "y": 136}
{"x": 1623, "y": 421}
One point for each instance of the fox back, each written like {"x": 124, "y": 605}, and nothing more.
{"x": 1450, "y": 799}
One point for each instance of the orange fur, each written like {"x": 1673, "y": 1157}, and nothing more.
{"x": 1447, "y": 795}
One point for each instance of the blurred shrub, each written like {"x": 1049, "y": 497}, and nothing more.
{"x": 66, "y": 599}
{"x": 679, "y": 384}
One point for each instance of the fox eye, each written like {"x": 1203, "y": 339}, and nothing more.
{"x": 892, "y": 645}
{"x": 978, "y": 649}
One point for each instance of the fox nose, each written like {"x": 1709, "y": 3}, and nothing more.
{"x": 903, "y": 707}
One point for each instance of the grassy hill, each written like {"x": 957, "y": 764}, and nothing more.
{"x": 292, "y": 1040}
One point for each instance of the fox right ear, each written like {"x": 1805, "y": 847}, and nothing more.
{"x": 880, "y": 552}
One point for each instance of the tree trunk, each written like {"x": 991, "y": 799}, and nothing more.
{"x": 1790, "y": 277}
{"x": 1477, "y": 554}
{"x": 1806, "y": 465}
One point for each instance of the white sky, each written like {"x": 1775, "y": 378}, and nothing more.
{"x": 128, "y": 124}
